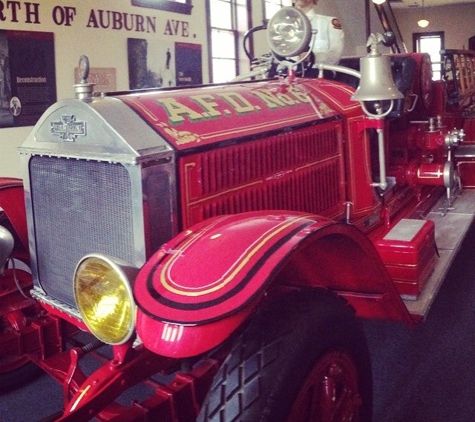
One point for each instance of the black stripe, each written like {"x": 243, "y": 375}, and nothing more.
{"x": 202, "y": 305}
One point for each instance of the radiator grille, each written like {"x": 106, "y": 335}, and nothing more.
{"x": 79, "y": 207}
{"x": 300, "y": 170}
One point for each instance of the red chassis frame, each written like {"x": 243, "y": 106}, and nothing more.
{"x": 40, "y": 332}
{"x": 42, "y": 336}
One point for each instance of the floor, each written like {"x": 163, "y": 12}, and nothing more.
{"x": 425, "y": 374}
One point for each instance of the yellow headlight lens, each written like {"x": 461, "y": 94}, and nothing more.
{"x": 104, "y": 298}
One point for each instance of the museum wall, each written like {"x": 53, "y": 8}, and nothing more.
{"x": 455, "y": 21}
{"x": 110, "y": 32}
{"x": 101, "y": 31}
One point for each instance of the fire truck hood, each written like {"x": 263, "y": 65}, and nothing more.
{"x": 104, "y": 129}
{"x": 129, "y": 127}
{"x": 201, "y": 116}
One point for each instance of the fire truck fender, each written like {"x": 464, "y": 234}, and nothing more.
{"x": 12, "y": 201}
{"x": 203, "y": 284}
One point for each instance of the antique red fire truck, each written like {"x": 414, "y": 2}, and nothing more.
{"x": 220, "y": 244}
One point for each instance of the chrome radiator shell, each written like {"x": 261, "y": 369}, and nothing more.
{"x": 97, "y": 179}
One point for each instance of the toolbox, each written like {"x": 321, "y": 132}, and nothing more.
{"x": 409, "y": 252}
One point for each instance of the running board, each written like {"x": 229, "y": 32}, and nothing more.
{"x": 450, "y": 231}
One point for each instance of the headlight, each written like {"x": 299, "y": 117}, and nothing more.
{"x": 104, "y": 297}
{"x": 289, "y": 32}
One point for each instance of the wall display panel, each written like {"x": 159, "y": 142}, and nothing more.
{"x": 103, "y": 78}
{"x": 154, "y": 64}
{"x": 27, "y": 76}
{"x": 177, "y": 6}
{"x": 188, "y": 64}
{"x": 151, "y": 63}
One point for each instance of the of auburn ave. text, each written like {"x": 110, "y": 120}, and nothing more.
{"x": 32, "y": 13}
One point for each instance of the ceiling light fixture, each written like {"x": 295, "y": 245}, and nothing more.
{"x": 423, "y": 23}
{"x": 378, "y": 1}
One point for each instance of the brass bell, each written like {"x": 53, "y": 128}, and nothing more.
{"x": 376, "y": 82}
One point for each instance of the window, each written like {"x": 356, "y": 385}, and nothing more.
{"x": 272, "y": 6}
{"x": 178, "y": 6}
{"x": 431, "y": 43}
{"x": 228, "y": 21}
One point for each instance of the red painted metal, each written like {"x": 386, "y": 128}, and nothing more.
{"x": 177, "y": 401}
{"x": 165, "y": 290}
{"x": 54, "y": 311}
{"x": 11, "y": 298}
{"x": 194, "y": 307}
{"x": 416, "y": 173}
{"x": 342, "y": 248}
{"x": 191, "y": 119}
{"x": 219, "y": 288}
{"x": 266, "y": 174}
{"x": 409, "y": 259}
{"x": 275, "y": 192}
{"x": 330, "y": 392}
{"x": 12, "y": 202}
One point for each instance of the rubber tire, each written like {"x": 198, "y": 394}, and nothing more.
{"x": 270, "y": 361}
{"x": 18, "y": 377}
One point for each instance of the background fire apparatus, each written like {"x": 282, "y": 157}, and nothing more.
{"x": 225, "y": 240}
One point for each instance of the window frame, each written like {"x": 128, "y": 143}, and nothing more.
{"x": 417, "y": 36}
{"x": 168, "y": 5}
{"x": 277, "y": 2}
{"x": 238, "y": 37}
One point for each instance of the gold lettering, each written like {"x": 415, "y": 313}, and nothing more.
{"x": 299, "y": 95}
{"x": 269, "y": 98}
{"x": 286, "y": 99}
{"x": 176, "y": 111}
{"x": 240, "y": 104}
{"x": 207, "y": 101}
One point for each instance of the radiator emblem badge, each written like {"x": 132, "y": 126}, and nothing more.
{"x": 68, "y": 128}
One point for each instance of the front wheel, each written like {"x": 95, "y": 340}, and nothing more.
{"x": 16, "y": 371}
{"x": 304, "y": 358}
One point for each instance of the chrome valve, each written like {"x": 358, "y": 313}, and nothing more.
{"x": 454, "y": 138}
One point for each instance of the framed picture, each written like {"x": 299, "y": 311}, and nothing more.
{"x": 188, "y": 64}
{"x": 27, "y": 76}
{"x": 388, "y": 21}
{"x": 103, "y": 78}
{"x": 177, "y": 6}
{"x": 151, "y": 63}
